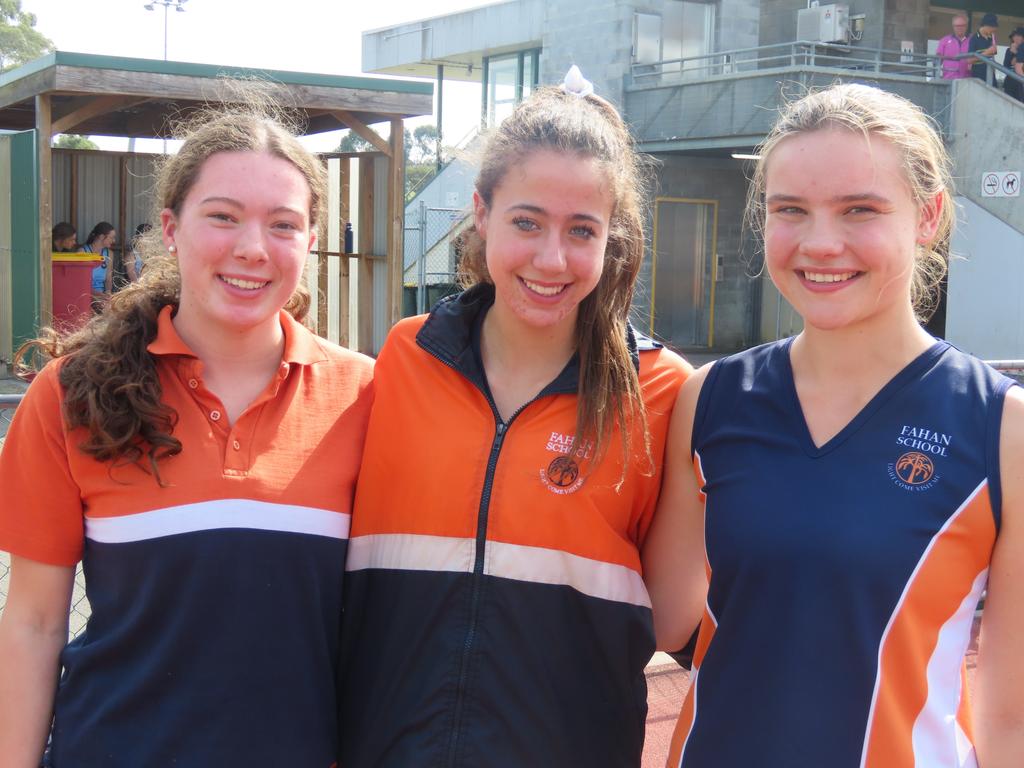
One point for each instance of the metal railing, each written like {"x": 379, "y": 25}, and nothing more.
{"x": 80, "y": 609}
{"x": 800, "y": 53}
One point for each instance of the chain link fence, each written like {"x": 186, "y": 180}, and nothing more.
{"x": 431, "y": 256}
{"x": 80, "y": 605}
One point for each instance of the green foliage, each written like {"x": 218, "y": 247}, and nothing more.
{"x": 74, "y": 141}
{"x": 20, "y": 42}
{"x": 420, "y": 154}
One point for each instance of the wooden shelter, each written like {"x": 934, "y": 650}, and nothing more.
{"x": 68, "y": 92}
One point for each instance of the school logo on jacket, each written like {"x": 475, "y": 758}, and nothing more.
{"x": 562, "y": 474}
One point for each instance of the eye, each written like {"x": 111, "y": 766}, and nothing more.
{"x": 582, "y": 230}
{"x": 220, "y": 216}
{"x": 860, "y": 210}
{"x": 524, "y": 224}
{"x": 787, "y": 210}
{"x": 286, "y": 226}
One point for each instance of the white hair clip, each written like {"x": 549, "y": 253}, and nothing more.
{"x": 576, "y": 84}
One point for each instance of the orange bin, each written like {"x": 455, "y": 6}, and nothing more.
{"x": 72, "y": 288}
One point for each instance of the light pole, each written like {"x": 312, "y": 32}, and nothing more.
{"x": 179, "y": 6}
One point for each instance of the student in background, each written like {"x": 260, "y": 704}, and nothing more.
{"x": 984, "y": 42}
{"x": 64, "y": 238}
{"x": 100, "y": 240}
{"x": 1013, "y": 59}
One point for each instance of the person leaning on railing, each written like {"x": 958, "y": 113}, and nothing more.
{"x": 952, "y": 46}
{"x": 984, "y": 42}
{"x": 1013, "y": 60}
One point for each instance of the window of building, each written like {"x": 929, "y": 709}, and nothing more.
{"x": 508, "y": 79}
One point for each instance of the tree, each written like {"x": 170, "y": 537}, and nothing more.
{"x": 74, "y": 141}
{"x": 420, "y": 154}
{"x": 353, "y": 142}
{"x": 19, "y": 40}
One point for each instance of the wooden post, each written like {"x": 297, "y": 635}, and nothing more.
{"x": 322, "y": 327}
{"x": 45, "y": 168}
{"x": 344, "y": 213}
{"x": 364, "y": 322}
{"x": 396, "y": 218}
{"x": 73, "y": 194}
{"x": 122, "y": 219}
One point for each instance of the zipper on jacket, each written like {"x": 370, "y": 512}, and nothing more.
{"x": 500, "y": 430}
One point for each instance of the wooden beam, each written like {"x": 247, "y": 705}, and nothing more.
{"x": 322, "y": 279}
{"x": 364, "y": 320}
{"x": 122, "y": 221}
{"x": 73, "y": 195}
{"x": 44, "y": 164}
{"x": 344, "y": 211}
{"x": 396, "y": 219}
{"x": 98, "y": 106}
{"x": 362, "y": 130}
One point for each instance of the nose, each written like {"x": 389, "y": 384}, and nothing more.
{"x": 250, "y": 244}
{"x": 550, "y": 254}
{"x": 822, "y": 239}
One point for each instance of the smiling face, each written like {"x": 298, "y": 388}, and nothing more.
{"x": 545, "y": 233}
{"x": 242, "y": 236}
{"x": 841, "y": 229}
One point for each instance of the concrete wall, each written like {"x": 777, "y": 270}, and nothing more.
{"x": 718, "y": 179}
{"x": 510, "y": 25}
{"x": 985, "y": 304}
{"x": 986, "y": 130}
{"x": 905, "y": 20}
{"x": 596, "y": 36}
{"x": 778, "y": 20}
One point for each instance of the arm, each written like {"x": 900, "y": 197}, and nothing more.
{"x": 673, "y": 552}
{"x": 33, "y": 630}
{"x": 999, "y": 714}
{"x": 128, "y": 258}
{"x": 108, "y": 283}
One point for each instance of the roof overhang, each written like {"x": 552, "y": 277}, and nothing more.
{"x": 113, "y": 96}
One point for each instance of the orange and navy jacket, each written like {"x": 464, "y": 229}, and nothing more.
{"x": 844, "y": 577}
{"x": 213, "y": 637}
{"x": 495, "y": 613}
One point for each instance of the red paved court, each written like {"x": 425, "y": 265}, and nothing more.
{"x": 667, "y": 685}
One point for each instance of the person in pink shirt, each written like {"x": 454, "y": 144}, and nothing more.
{"x": 954, "y": 45}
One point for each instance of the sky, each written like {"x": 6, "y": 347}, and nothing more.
{"x": 322, "y": 36}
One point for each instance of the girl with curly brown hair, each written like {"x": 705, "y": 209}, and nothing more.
{"x": 196, "y": 447}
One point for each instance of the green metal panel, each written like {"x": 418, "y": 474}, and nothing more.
{"x": 24, "y": 237}
{"x": 91, "y": 61}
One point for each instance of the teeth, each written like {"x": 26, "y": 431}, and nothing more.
{"x": 249, "y": 285}
{"x": 544, "y": 290}
{"x": 819, "y": 277}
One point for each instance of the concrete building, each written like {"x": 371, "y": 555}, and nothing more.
{"x": 699, "y": 82}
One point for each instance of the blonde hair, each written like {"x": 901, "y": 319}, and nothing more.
{"x": 926, "y": 165}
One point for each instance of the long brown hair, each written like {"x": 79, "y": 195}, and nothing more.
{"x": 588, "y": 127}
{"x": 110, "y": 381}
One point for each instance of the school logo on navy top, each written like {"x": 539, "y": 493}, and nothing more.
{"x": 914, "y": 470}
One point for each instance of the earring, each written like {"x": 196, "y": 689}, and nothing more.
{"x": 172, "y": 249}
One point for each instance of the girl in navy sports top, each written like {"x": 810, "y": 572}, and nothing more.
{"x": 855, "y": 488}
